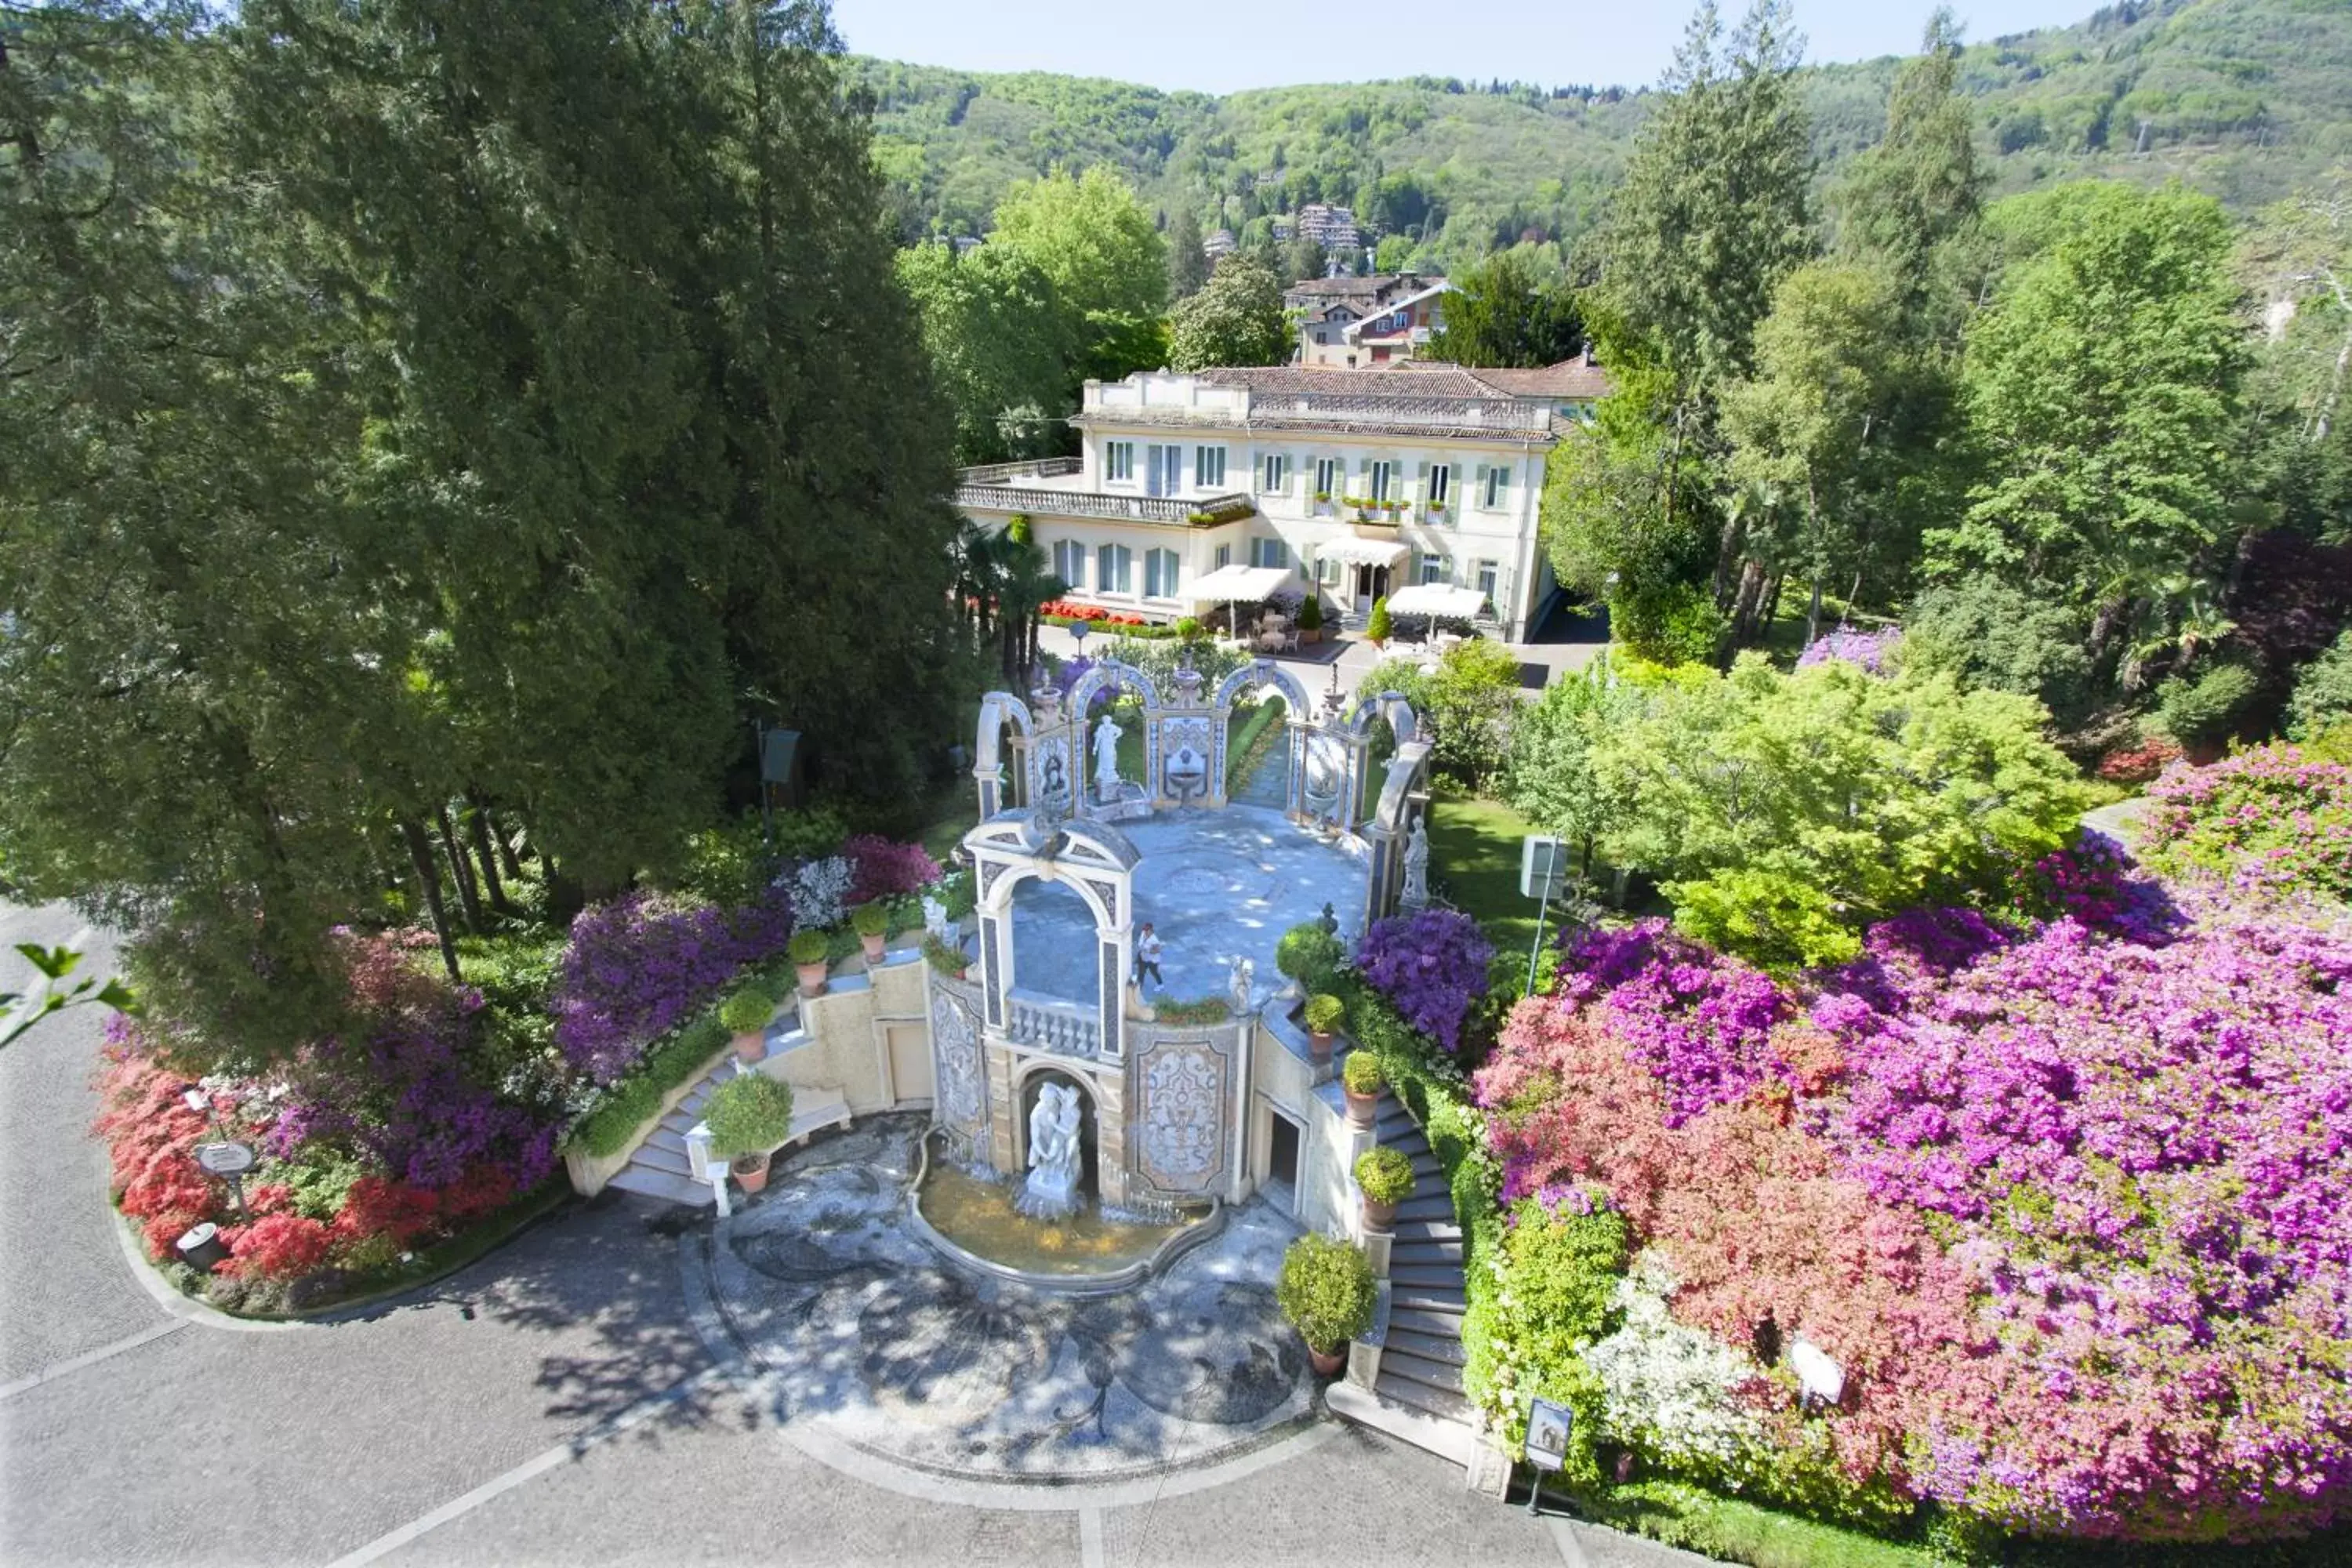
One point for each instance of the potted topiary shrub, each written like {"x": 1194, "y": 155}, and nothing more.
{"x": 1326, "y": 1290}
{"x": 1378, "y": 628}
{"x": 1323, "y": 1016}
{"x": 1309, "y": 956}
{"x": 944, "y": 956}
{"x": 749, "y": 1116}
{"x": 1385, "y": 1175}
{"x": 872, "y": 923}
{"x": 1361, "y": 1080}
{"x": 808, "y": 951}
{"x": 745, "y": 1014}
{"x": 1310, "y": 618}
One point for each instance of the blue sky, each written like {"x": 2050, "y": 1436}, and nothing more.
{"x": 1219, "y": 45}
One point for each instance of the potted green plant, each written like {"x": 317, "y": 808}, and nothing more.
{"x": 808, "y": 951}
{"x": 745, "y": 1014}
{"x": 1378, "y": 628}
{"x": 1326, "y": 1290}
{"x": 1385, "y": 1175}
{"x": 750, "y": 1117}
{"x": 872, "y": 923}
{"x": 1361, "y": 1080}
{"x": 1323, "y": 1016}
{"x": 1310, "y": 618}
{"x": 1322, "y": 498}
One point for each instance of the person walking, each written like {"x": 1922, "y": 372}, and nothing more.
{"x": 1147, "y": 956}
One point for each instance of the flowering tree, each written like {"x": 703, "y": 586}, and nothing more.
{"x": 1432, "y": 966}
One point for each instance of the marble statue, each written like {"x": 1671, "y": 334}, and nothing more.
{"x": 1107, "y": 737}
{"x": 1416, "y": 866}
{"x": 1052, "y": 1189}
{"x": 935, "y": 919}
{"x": 1245, "y": 977}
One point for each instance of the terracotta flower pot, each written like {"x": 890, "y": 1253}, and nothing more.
{"x": 1379, "y": 1216}
{"x": 1318, "y": 1047}
{"x": 751, "y": 1172}
{"x": 1327, "y": 1363}
{"x": 1363, "y": 1109}
{"x": 874, "y": 947}
{"x": 813, "y": 977}
{"x": 752, "y": 1046}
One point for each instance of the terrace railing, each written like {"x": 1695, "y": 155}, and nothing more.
{"x": 1179, "y": 510}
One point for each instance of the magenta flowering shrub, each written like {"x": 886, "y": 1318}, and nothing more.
{"x": 1432, "y": 966}
{"x": 1698, "y": 1022}
{"x": 881, "y": 867}
{"x": 2274, "y": 821}
{"x": 2072, "y": 1210}
{"x": 639, "y": 964}
{"x": 1868, "y": 650}
{"x": 2095, "y": 884}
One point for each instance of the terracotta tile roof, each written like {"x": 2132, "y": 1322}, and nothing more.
{"x": 1577, "y": 377}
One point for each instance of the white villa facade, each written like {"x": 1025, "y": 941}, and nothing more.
{"x": 1359, "y": 485}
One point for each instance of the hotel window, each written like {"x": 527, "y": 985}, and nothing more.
{"x": 1435, "y": 568}
{"x": 1493, "y": 487}
{"x": 1486, "y": 579}
{"x": 1070, "y": 562}
{"x": 1118, "y": 462}
{"x": 1326, "y": 476}
{"x": 1113, "y": 565}
{"x": 1273, "y": 474}
{"x": 1224, "y": 554}
{"x": 1441, "y": 483}
{"x": 1208, "y": 468}
{"x": 1270, "y": 553}
{"x": 1160, "y": 573}
{"x": 1383, "y": 480}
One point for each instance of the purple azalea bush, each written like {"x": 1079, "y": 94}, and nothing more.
{"x": 882, "y": 868}
{"x": 1432, "y": 966}
{"x": 639, "y": 964}
{"x": 1868, "y": 650}
{"x": 1700, "y": 1022}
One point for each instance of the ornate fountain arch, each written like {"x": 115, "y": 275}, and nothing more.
{"x": 996, "y": 709}
{"x": 1388, "y": 705}
{"x": 1259, "y": 674}
{"x": 1110, "y": 672}
{"x": 1095, "y": 861}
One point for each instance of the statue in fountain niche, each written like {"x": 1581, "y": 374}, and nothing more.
{"x": 1106, "y": 738}
{"x": 1051, "y": 1190}
{"x": 1416, "y": 866}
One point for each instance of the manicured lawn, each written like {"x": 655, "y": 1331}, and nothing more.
{"x": 1473, "y": 862}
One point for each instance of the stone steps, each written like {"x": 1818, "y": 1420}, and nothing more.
{"x": 1412, "y": 1233}
{"x": 1445, "y": 1347}
{"x": 1437, "y": 1402}
{"x": 1429, "y": 1372}
{"x": 652, "y": 1183}
{"x": 1436, "y": 1323}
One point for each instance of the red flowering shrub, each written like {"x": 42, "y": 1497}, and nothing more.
{"x": 881, "y": 867}
{"x": 2140, "y": 761}
{"x": 377, "y": 1205}
{"x": 279, "y": 1247}
{"x": 482, "y": 1189}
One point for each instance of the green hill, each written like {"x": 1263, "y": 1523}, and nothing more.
{"x": 2246, "y": 99}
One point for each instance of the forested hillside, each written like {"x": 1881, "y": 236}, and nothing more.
{"x": 2244, "y": 98}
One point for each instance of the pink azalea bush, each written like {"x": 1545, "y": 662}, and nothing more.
{"x": 2073, "y": 1212}
{"x": 2275, "y": 821}
{"x": 882, "y": 868}
{"x": 1871, "y": 651}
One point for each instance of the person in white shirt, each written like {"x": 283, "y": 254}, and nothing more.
{"x": 1147, "y": 956}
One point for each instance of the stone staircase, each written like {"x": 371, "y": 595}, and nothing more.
{"x": 1417, "y": 1395}
{"x": 661, "y": 1168}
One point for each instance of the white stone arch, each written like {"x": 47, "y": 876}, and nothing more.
{"x": 1097, "y": 862}
{"x": 996, "y": 709}
{"x": 1388, "y": 705}
{"x": 1259, "y": 674}
{"x": 1110, "y": 672}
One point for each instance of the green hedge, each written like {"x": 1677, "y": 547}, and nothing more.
{"x": 1734, "y": 1532}
{"x": 1244, "y": 749}
{"x": 678, "y": 1056}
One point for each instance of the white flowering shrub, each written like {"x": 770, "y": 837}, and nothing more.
{"x": 1668, "y": 1390}
{"x": 821, "y": 893}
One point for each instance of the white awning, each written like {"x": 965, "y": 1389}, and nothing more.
{"x": 1232, "y": 584}
{"x": 1362, "y": 552}
{"x": 1437, "y": 599}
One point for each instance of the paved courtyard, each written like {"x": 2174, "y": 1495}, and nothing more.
{"x": 560, "y": 1402}
{"x": 1218, "y": 886}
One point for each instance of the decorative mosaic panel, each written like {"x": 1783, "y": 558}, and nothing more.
{"x": 1109, "y": 893}
{"x": 1180, "y": 1133}
{"x": 955, "y": 1061}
